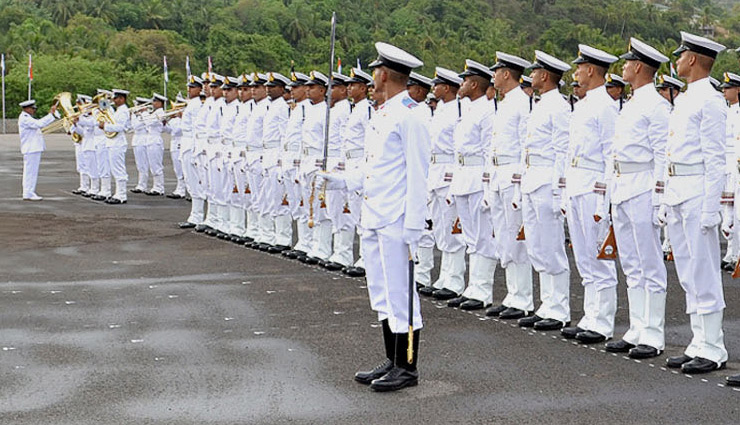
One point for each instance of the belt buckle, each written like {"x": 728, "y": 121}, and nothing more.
{"x": 460, "y": 159}
{"x": 574, "y": 162}
{"x": 671, "y": 169}
{"x": 526, "y": 159}
{"x": 617, "y": 168}
{"x": 495, "y": 160}
{"x": 433, "y": 160}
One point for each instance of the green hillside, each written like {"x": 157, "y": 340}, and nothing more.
{"x": 80, "y": 45}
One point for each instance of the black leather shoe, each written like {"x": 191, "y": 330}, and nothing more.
{"x": 366, "y": 377}
{"x": 276, "y": 249}
{"x": 677, "y": 361}
{"x": 222, "y": 235}
{"x": 202, "y": 228}
{"x": 332, "y": 266}
{"x": 701, "y": 365}
{"x": 549, "y": 325}
{"x": 355, "y": 272}
{"x": 472, "y": 305}
{"x": 77, "y": 192}
{"x": 395, "y": 379}
{"x": 643, "y": 351}
{"x": 264, "y": 246}
{"x": 99, "y": 198}
{"x": 114, "y": 201}
{"x": 175, "y": 196}
{"x": 512, "y": 313}
{"x": 729, "y": 267}
{"x": 620, "y": 346}
{"x": 211, "y": 231}
{"x": 292, "y": 253}
{"x": 135, "y": 190}
{"x": 528, "y": 322}
{"x": 310, "y": 260}
{"x": 186, "y": 225}
{"x": 426, "y": 291}
{"x": 570, "y": 333}
{"x": 495, "y": 311}
{"x": 154, "y": 193}
{"x": 247, "y": 239}
{"x": 87, "y": 194}
{"x": 444, "y": 294}
{"x": 455, "y": 302}
{"x": 590, "y": 337}
{"x": 733, "y": 381}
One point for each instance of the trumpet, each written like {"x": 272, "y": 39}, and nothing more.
{"x": 175, "y": 109}
{"x": 144, "y": 107}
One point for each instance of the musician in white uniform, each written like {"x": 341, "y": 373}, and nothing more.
{"x": 155, "y": 145}
{"x": 139, "y": 120}
{"x": 118, "y": 145}
{"x": 188, "y": 152}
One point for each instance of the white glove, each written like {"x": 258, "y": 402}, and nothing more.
{"x": 516, "y": 200}
{"x": 709, "y": 220}
{"x": 662, "y": 215}
{"x": 556, "y": 204}
{"x": 332, "y": 181}
{"x": 411, "y": 237}
{"x": 656, "y": 216}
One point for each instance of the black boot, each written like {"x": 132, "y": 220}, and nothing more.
{"x": 366, "y": 377}
{"x": 404, "y": 373}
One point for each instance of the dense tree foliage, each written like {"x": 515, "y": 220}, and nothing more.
{"x": 79, "y": 45}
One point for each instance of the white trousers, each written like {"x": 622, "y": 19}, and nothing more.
{"x": 155, "y": 154}
{"x": 638, "y": 242}
{"x": 477, "y": 228}
{"x": 31, "y": 163}
{"x": 444, "y": 214}
{"x": 117, "y": 161}
{"x": 142, "y": 167}
{"x": 545, "y": 242}
{"x": 598, "y": 277}
{"x": 101, "y": 153}
{"x": 697, "y": 257}
{"x": 387, "y": 273}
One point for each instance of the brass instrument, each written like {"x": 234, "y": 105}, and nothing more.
{"x": 105, "y": 113}
{"x": 69, "y": 113}
{"x": 138, "y": 109}
{"x": 175, "y": 109}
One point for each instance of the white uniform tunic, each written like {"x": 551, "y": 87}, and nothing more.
{"x": 200, "y": 159}
{"x": 545, "y": 149}
{"x": 32, "y": 144}
{"x": 239, "y": 167}
{"x": 694, "y": 181}
{"x": 189, "y": 172}
{"x": 255, "y": 128}
{"x": 290, "y": 158}
{"x": 393, "y": 180}
{"x": 271, "y": 191}
{"x": 155, "y": 149}
{"x": 336, "y": 199}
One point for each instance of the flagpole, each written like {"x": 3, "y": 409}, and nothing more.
{"x": 3, "y": 72}
{"x": 166, "y": 77}
{"x": 30, "y": 75}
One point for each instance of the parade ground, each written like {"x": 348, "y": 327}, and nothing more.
{"x": 113, "y": 315}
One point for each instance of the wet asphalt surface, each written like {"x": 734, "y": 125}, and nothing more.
{"x": 113, "y": 315}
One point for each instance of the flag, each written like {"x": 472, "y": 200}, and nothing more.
{"x": 673, "y": 71}
{"x": 166, "y": 74}
{"x": 358, "y": 64}
{"x": 210, "y": 66}
{"x": 30, "y": 68}
{"x": 339, "y": 65}
{"x": 187, "y": 66}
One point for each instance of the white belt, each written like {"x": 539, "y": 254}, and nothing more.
{"x": 498, "y": 160}
{"x": 318, "y": 152}
{"x": 625, "y": 167}
{"x": 587, "y": 164}
{"x": 678, "y": 169}
{"x": 470, "y": 160}
{"x": 355, "y": 153}
{"x": 214, "y": 140}
{"x": 535, "y": 160}
{"x": 253, "y": 148}
{"x": 271, "y": 144}
{"x": 442, "y": 158}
